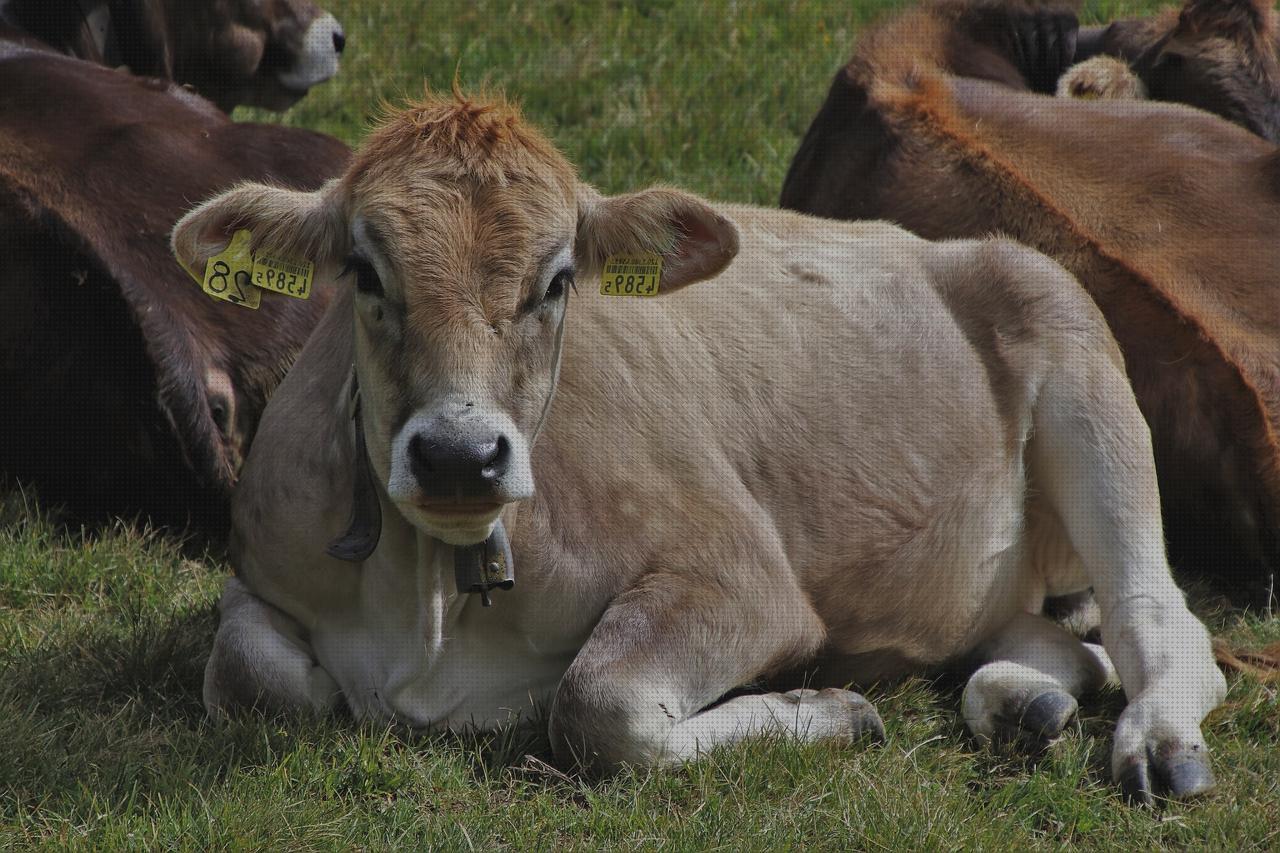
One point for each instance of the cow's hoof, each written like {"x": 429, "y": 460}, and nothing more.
{"x": 1172, "y": 771}
{"x": 859, "y": 718}
{"x": 1045, "y": 716}
{"x": 1001, "y": 705}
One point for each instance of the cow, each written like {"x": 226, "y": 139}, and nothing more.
{"x": 126, "y": 389}
{"x": 811, "y": 469}
{"x": 262, "y": 53}
{"x": 1166, "y": 213}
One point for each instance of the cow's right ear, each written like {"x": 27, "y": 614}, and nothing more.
{"x": 306, "y": 225}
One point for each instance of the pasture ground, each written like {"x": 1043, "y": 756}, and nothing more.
{"x": 103, "y": 635}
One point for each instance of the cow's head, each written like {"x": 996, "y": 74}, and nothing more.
{"x": 462, "y": 232}
{"x": 1219, "y": 55}
{"x": 263, "y": 53}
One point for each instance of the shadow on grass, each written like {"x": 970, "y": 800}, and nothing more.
{"x": 113, "y": 711}
{"x": 197, "y": 537}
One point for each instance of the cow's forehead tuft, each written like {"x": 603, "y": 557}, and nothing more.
{"x": 457, "y": 137}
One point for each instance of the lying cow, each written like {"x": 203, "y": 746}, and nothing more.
{"x": 816, "y": 461}
{"x": 1166, "y": 214}
{"x": 125, "y": 388}
{"x": 263, "y": 53}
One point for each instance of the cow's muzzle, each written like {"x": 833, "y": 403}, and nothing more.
{"x": 452, "y": 465}
{"x": 317, "y": 59}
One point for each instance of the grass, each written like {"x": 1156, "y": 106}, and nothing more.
{"x": 103, "y": 634}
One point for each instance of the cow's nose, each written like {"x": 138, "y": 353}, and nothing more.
{"x": 339, "y": 41}
{"x": 452, "y": 467}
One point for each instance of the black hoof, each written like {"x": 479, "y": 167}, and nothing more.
{"x": 869, "y": 726}
{"x": 1175, "y": 773}
{"x": 1187, "y": 774}
{"x": 1135, "y": 784}
{"x": 1048, "y": 714}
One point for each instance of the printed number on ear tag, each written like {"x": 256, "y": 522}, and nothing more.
{"x": 228, "y": 274}
{"x": 283, "y": 275}
{"x": 631, "y": 275}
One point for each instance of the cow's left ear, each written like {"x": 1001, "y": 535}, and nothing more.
{"x": 306, "y": 225}
{"x": 695, "y": 242}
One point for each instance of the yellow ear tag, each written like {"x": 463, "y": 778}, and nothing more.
{"x": 631, "y": 275}
{"x": 283, "y": 275}
{"x": 227, "y": 275}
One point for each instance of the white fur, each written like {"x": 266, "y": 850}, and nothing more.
{"x": 318, "y": 60}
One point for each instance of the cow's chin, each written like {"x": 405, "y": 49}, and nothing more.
{"x": 269, "y": 93}
{"x": 453, "y": 527}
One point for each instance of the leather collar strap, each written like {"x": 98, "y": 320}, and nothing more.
{"x": 365, "y": 527}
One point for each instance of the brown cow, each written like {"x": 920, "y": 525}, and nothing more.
{"x": 1167, "y": 214}
{"x": 124, "y": 386}
{"x": 264, "y": 53}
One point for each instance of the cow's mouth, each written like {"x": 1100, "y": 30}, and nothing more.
{"x": 456, "y": 522}
{"x": 459, "y": 510}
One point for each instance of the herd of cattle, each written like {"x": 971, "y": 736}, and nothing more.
{"x": 844, "y": 453}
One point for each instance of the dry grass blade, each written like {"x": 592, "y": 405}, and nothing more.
{"x": 1262, "y": 664}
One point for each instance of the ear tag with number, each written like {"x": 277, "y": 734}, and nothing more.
{"x": 228, "y": 274}
{"x": 283, "y": 275}
{"x": 631, "y": 275}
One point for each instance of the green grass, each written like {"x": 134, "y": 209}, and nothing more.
{"x": 103, "y": 635}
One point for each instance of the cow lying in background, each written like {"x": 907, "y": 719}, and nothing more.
{"x": 262, "y": 53}
{"x": 816, "y": 461}
{"x": 125, "y": 388}
{"x": 1168, "y": 215}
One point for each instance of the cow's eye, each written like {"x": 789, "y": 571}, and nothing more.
{"x": 563, "y": 280}
{"x": 367, "y": 280}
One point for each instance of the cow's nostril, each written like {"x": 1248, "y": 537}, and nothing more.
{"x": 496, "y": 465}
{"x": 420, "y": 454}
{"x": 339, "y": 41}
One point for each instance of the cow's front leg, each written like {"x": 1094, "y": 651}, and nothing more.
{"x": 1091, "y": 456}
{"x": 261, "y": 659}
{"x": 639, "y": 691}
{"x": 1034, "y": 672}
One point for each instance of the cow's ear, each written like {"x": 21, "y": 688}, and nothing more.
{"x": 306, "y": 225}
{"x": 694, "y": 241}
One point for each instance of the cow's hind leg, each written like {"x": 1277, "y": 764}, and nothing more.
{"x": 1090, "y": 456}
{"x": 1033, "y": 673}
{"x": 261, "y": 659}
{"x": 641, "y": 691}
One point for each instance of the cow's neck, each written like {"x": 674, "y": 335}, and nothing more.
{"x": 100, "y": 32}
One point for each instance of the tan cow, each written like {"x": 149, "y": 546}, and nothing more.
{"x": 816, "y": 462}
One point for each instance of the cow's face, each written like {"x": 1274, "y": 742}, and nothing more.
{"x": 462, "y": 233}
{"x": 264, "y": 53}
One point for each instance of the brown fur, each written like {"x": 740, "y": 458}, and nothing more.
{"x": 1166, "y": 214}
{"x": 127, "y": 388}
{"x": 1217, "y": 55}
{"x": 227, "y": 50}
